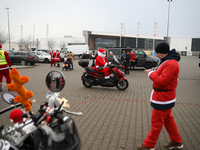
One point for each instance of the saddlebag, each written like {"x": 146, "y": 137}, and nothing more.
{"x": 83, "y": 63}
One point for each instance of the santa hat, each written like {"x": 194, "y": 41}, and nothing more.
{"x": 16, "y": 115}
{"x": 162, "y": 48}
{"x": 0, "y": 46}
{"x": 101, "y": 52}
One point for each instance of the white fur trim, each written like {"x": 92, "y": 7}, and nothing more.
{"x": 161, "y": 102}
{"x": 107, "y": 77}
{"x": 150, "y": 72}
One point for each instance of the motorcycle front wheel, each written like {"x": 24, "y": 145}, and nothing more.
{"x": 122, "y": 85}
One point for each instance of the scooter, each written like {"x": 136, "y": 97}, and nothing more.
{"x": 48, "y": 129}
{"x": 91, "y": 77}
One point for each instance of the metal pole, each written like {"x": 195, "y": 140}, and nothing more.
{"x": 120, "y": 40}
{"x": 168, "y": 22}
{"x": 7, "y": 8}
{"x": 136, "y": 44}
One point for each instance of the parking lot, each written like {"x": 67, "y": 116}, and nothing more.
{"x": 116, "y": 120}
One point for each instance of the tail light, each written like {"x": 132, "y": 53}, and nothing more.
{"x": 30, "y": 57}
{"x": 123, "y": 67}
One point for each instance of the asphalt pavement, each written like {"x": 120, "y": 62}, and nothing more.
{"x": 117, "y": 120}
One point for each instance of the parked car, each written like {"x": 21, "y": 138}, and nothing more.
{"x": 42, "y": 56}
{"x": 23, "y": 58}
{"x": 145, "y": 60}
{"x": 44, "y": 50}
{"x": 11, "y": 51}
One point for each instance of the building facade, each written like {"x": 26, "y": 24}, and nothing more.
{"x": 95, "y": 40}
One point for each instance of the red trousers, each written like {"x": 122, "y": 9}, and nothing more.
{"x": 53, "y": 62}
{"x": 5, "y": 73}
{"x": 107, "y": 72}
{"x": 158, "y": 119}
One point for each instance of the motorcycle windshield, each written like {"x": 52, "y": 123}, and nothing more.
{"x": 115, "y": 59}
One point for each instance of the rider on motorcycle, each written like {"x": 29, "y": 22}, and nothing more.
{"x": 101, "y": 64}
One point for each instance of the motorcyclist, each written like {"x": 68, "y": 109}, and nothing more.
{"x": 101, "y": 64}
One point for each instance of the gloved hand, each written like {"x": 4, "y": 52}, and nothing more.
{"x": 112, "y": 65}
{"x": 100, "y": 68}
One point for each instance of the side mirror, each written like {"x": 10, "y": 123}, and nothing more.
{"x": 55, "y": 81}
{"x": 8, "y": 98}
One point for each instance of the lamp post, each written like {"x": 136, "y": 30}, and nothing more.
{"x": 7, "y": 8}
{"x": 168, "y": 21}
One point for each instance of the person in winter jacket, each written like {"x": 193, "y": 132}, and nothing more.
{"x": 92, "y": 57}
{"x": 4, "y": 69}
{"x": 127, "y": 58}
{"x": 53, "y": 57}
{"x": 163, "y": 98}
{"x": 101, "y": 64}
{"x": 110, "y": 57}
{"x": 70, "y": 56}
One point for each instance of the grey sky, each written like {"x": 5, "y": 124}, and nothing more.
{"x": 71, "y": 17}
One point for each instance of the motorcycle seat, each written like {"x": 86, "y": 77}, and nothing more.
{"x": 93, "y": 70}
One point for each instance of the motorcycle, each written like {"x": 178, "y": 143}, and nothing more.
{"x": 92, "y": 77}
{"x": 48, "y": 129}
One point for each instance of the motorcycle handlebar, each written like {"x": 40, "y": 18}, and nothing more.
{"x": 9, "y": 108}
{"x": 62, "y": 117}
{"x": 73, "y": 113}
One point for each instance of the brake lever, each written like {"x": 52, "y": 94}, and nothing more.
{"x": 72, "y": 113}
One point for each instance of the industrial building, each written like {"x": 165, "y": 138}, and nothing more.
{"x": 186, "y": 46}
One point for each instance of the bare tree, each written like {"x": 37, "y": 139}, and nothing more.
{"x": 25, "y": 43}
{"x": 62, "y": 45}
{"x": 51, "y": 44}
{"x": 3, "y": 37}
{"x": 21, "y": 43}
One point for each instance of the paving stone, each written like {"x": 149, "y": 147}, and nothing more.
{"x": 113, "y": 119}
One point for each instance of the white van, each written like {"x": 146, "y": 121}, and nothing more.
{"x": 78, "y": 50}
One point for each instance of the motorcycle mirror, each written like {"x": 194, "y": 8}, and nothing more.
{"x": 55, "y": 81}
{"x": 8, "y": 98}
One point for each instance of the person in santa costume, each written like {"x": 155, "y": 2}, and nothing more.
{"x": 4, "y": 69}
{"x": 101, "y": 64}
{"x": 163, "y": 98}
{"x": 53, "y": 57}
{"x": 133, "y": 59}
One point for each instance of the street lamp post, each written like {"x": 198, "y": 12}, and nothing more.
{"x": 168, "y": 21}
{"x": 7, "y": 8}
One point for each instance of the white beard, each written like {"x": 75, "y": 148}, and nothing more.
{"x": 102, "y": 55}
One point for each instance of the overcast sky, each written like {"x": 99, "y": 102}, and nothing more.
{"x": 71, "y": 17}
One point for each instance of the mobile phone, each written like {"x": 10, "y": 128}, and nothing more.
{"x": 144, "y": 68}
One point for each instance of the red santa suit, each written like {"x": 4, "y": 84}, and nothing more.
{"x": 132, "y": 57}
{"x": 57, "y": 58}
{"x": 163, "y": 97}
{"x": 4, "y": 69}
{"x": 53, "y": 56}
{"x": 102, "y": 62}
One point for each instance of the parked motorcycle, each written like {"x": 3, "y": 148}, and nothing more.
{"x": 48, "y": 129}
{"x": 92, "y": 77}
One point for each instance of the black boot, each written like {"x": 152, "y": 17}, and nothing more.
{"x": 108, "y": 81}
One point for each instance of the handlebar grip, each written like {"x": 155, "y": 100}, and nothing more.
{"x": 62, "y": 117}
{"x": 73, "y": 113}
